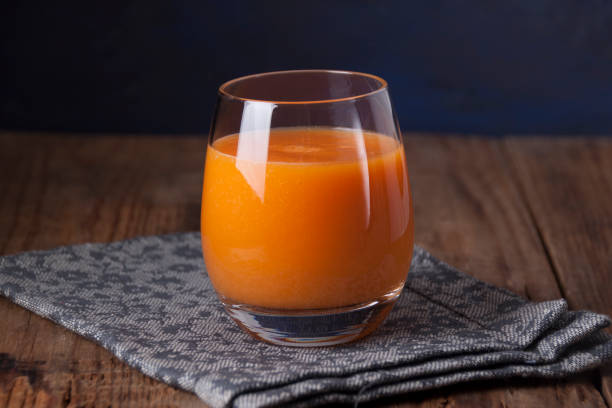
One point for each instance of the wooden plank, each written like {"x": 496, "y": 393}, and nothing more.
{"x": 508, "y": 393}
{"x": 64, "y": 190}
{"x": 57, "y": 190}
{"x": 568, "y": 186}
{"x": 469, "y": 212}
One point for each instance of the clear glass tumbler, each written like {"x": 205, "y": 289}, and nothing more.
{"x": 307, "y": 225}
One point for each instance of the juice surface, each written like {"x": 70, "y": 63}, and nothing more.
{"x": 320, "y": 218}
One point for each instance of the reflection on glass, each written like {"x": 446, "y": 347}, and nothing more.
{"x": 307, "y": 226}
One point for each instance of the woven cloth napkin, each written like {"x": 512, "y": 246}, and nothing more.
{"x": 149, "y": 301}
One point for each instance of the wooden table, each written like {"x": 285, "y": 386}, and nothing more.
{"x": 532, "y": 214}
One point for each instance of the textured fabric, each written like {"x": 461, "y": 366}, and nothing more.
{"x": 149, "y": 301}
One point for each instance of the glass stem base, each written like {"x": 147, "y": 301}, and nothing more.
{"x": 313, "y": 327}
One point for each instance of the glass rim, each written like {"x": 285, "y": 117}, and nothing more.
{"x": 381, "y": 82}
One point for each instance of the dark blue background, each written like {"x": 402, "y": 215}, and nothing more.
{"x": 529, "y": 66}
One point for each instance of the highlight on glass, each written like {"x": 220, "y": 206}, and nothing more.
{"x": 307, "y": 222}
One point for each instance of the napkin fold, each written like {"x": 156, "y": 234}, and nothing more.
{"x": 150, "y": 302}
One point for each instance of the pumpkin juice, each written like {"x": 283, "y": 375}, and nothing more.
{"x": 306, "y": 218}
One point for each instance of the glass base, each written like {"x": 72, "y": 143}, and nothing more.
{"x": 314, "y": 327}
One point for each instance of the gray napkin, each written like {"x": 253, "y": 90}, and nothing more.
{"x": 149, "y": 301}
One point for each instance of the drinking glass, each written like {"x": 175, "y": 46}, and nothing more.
{"x": 307, "y": 225}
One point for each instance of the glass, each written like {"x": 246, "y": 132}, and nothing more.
{"x": 307, "y": 225}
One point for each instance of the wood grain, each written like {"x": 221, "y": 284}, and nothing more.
{"x": 61, "y": 189}
{"x": 57, "y": 190}
{"x": 567, "y": 184}
{"x": 469, "y": 212}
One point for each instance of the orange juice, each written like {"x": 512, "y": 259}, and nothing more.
{"x": 306, "y": 218}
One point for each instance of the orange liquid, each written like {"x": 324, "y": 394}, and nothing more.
{"x": 321, "y": 218}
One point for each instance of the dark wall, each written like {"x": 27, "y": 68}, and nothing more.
{"x": 463, "y": 66}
